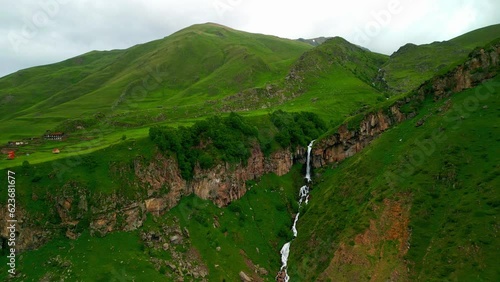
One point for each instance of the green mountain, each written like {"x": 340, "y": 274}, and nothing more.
{"x": 413, "y": 64}
{"x": 179, "y": 72}
{"x": 124, "y": 92}
{"x": 337, "y": 79}
{"x": 184, "y": 158}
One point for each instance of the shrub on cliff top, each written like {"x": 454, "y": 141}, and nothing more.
{"x": 229, "y": 139}
{"x": 297, "y": 129}
{"x": 226, "y": 139}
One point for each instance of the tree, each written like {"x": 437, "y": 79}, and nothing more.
{"x": 26, "y": 165}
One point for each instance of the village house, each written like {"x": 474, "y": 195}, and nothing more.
{"x": 16, "y": 143}
{"x": 54, "y": 135}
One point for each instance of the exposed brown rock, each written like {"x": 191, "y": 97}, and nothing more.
{"x": 244, "y": 277}
{"x": 222, "y": 184}
{"x": 185, "y": 260}
{"x": 103, "y": 224}
{"x": 365, "y": 257}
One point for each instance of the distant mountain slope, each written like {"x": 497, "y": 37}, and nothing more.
{"x": 338, "y": 52}
{"x": 202, "y": 60}
{"x": 405, "y": 189}
{"x": 336, "y": 79}
{"x": 209, "y": 69}
{"x": 25, "y": 88}
{"x": 314, "y": 41}
{"x": 412, "y": 64}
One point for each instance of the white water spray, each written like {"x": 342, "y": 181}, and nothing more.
{"x": 308, "y": 167}
{"x": 303, "y": 197}
{"x": 294, "y": 227}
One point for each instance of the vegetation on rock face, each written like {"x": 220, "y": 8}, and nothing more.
{"x": 207, "y": 142}
{"x": 297, "y": 129}
{"x": 230, "y": 139}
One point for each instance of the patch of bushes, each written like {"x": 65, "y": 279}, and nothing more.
{"x": 297, "y": 128}
{"x": 206, "y": 142}
{"x": 231, "y": 138}
{"x": 285, "y": 233}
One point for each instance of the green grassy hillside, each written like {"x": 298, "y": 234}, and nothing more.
{"x": 413, "y": 64}
{"x": 441, "y": 179}
{"x": 337, "y": 79}
{"x": 192, "y": 74}
{"x": 196, "y": 64}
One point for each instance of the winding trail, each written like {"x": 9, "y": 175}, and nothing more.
{"x": 303, "y": 198}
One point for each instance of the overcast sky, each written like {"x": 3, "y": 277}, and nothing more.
{"x": 36, "y": 32}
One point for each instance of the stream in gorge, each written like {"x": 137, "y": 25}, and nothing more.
{"x": 303, "y": 198}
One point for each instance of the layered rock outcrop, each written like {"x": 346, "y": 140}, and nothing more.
{"x": 221, "y": 184}
{"x": 481, "y": 65}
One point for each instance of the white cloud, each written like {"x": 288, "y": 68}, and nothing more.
{"x": 53, "y": 30}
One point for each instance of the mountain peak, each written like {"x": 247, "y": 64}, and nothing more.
{"x": 208, "y": 26}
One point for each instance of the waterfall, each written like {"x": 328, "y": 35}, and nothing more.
{"x": 294, "y": 227}
{"x": 308, "y": 167}
{"x": 303, "y": 198}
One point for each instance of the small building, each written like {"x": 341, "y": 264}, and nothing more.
{"x": 54, "y": 135}
{"x": 16, "y": 143}
{"x": 12, "y": 155}
{"x": 56, "y": 151}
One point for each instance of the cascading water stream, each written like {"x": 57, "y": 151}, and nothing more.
{"x": 303, "y": 197}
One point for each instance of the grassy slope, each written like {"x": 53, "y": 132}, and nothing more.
{"x": 119, "y": 256}
{"x": 264, "y": 210}
{"x": 411, "y": 65}
{"x": 258, "y": 224}
{"x": 28, "y": 87}
{"x": 336, "y": 84}
{"x": 337, "y": 78}
{"x": 195, "y": 64}
{"x": 452, "y": 192}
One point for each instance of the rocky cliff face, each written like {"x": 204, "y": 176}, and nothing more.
{"x": 221, "y": 184}
{"x": 481, "y": 65}
{"x": 345, "y": 143}
{"x": 29, "y": 235}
